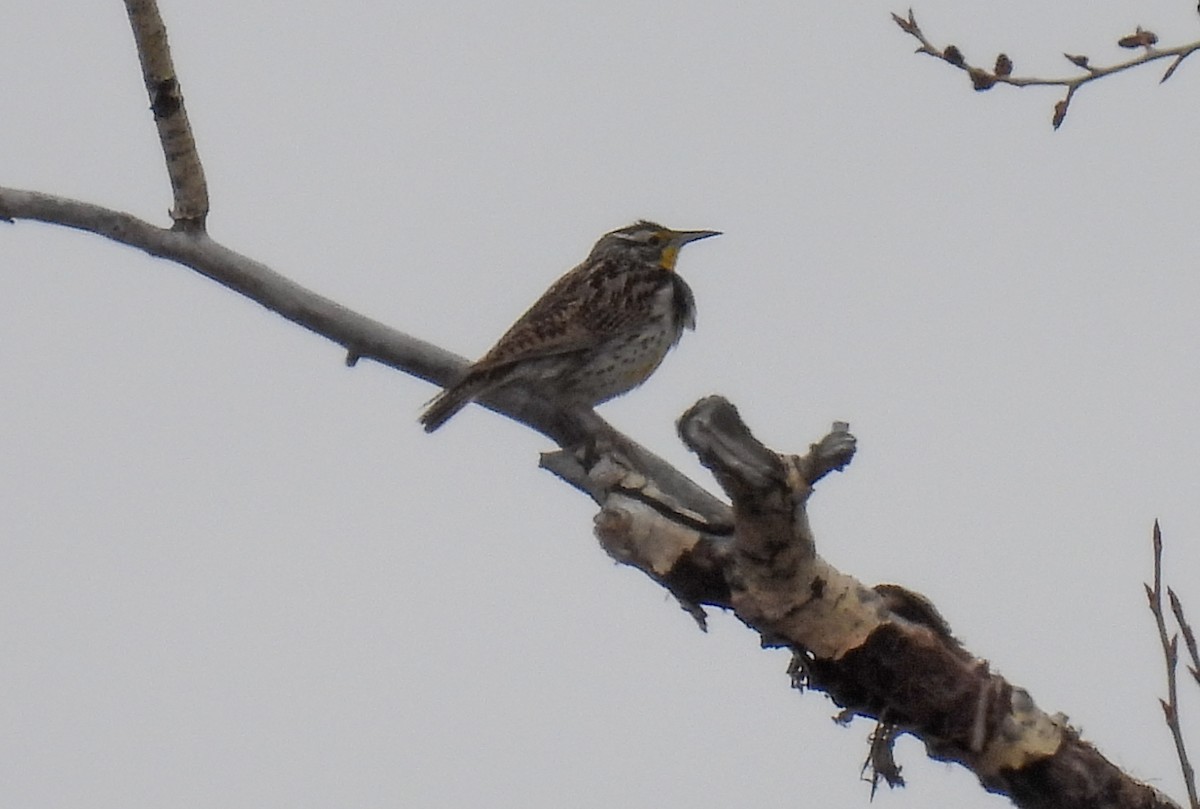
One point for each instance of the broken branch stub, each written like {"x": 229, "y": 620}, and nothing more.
{"x": 778, "y": 584}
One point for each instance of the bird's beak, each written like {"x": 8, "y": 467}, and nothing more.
{"x": 682, "y": 237}
{"x": 678, "y": 239}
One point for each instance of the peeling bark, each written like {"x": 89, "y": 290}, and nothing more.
{"x": 883, "y": 653}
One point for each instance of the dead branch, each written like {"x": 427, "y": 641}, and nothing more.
{"x": 1001, "y": 72}
{"x": 867, "y": 657}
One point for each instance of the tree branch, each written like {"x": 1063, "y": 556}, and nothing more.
{"x": 360, "y": 335}
{"x": 872, "y": 650}
{"x": 166, "y": 102}
{"x": 650, "y": 477}
{"x": 1001, "y": 73}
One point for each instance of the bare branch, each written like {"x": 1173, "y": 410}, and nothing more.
{"x": 1170, "y": 647}
{"x": 358, "y": 334}
{"x": 1189, "y": 637}
{"x": 166, "y": 102}
{"x": 1001, "y": 73}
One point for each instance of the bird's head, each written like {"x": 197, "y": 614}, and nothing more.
{"x": 649, "y": 243}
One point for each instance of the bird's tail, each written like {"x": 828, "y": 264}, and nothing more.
{"x": 450, "y": 401}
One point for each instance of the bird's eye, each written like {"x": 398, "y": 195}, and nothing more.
{"x": 655, "y": 240}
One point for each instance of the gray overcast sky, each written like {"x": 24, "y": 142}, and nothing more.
{"x": 234, "y": 573}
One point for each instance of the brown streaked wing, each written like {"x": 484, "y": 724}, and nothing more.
{"x": 589, "y": 302}
{"x": 551, "y": 326}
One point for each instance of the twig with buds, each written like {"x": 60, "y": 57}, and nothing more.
{"x": 1001, "y": 72}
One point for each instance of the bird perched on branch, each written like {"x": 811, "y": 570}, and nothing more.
{"x": 597, "y": 332}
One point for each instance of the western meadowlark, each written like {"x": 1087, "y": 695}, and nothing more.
{"x": 597, "y": 332}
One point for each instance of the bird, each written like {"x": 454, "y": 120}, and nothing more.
{"x": 598, "y": 332}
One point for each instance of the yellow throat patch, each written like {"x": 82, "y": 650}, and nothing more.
{"x": 669, "y": 256}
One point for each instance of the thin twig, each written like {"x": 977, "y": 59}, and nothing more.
{"x": 1001, "y": 73}
{"x": 1170, "y": 646}
{"x": 1189, "y": 637}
